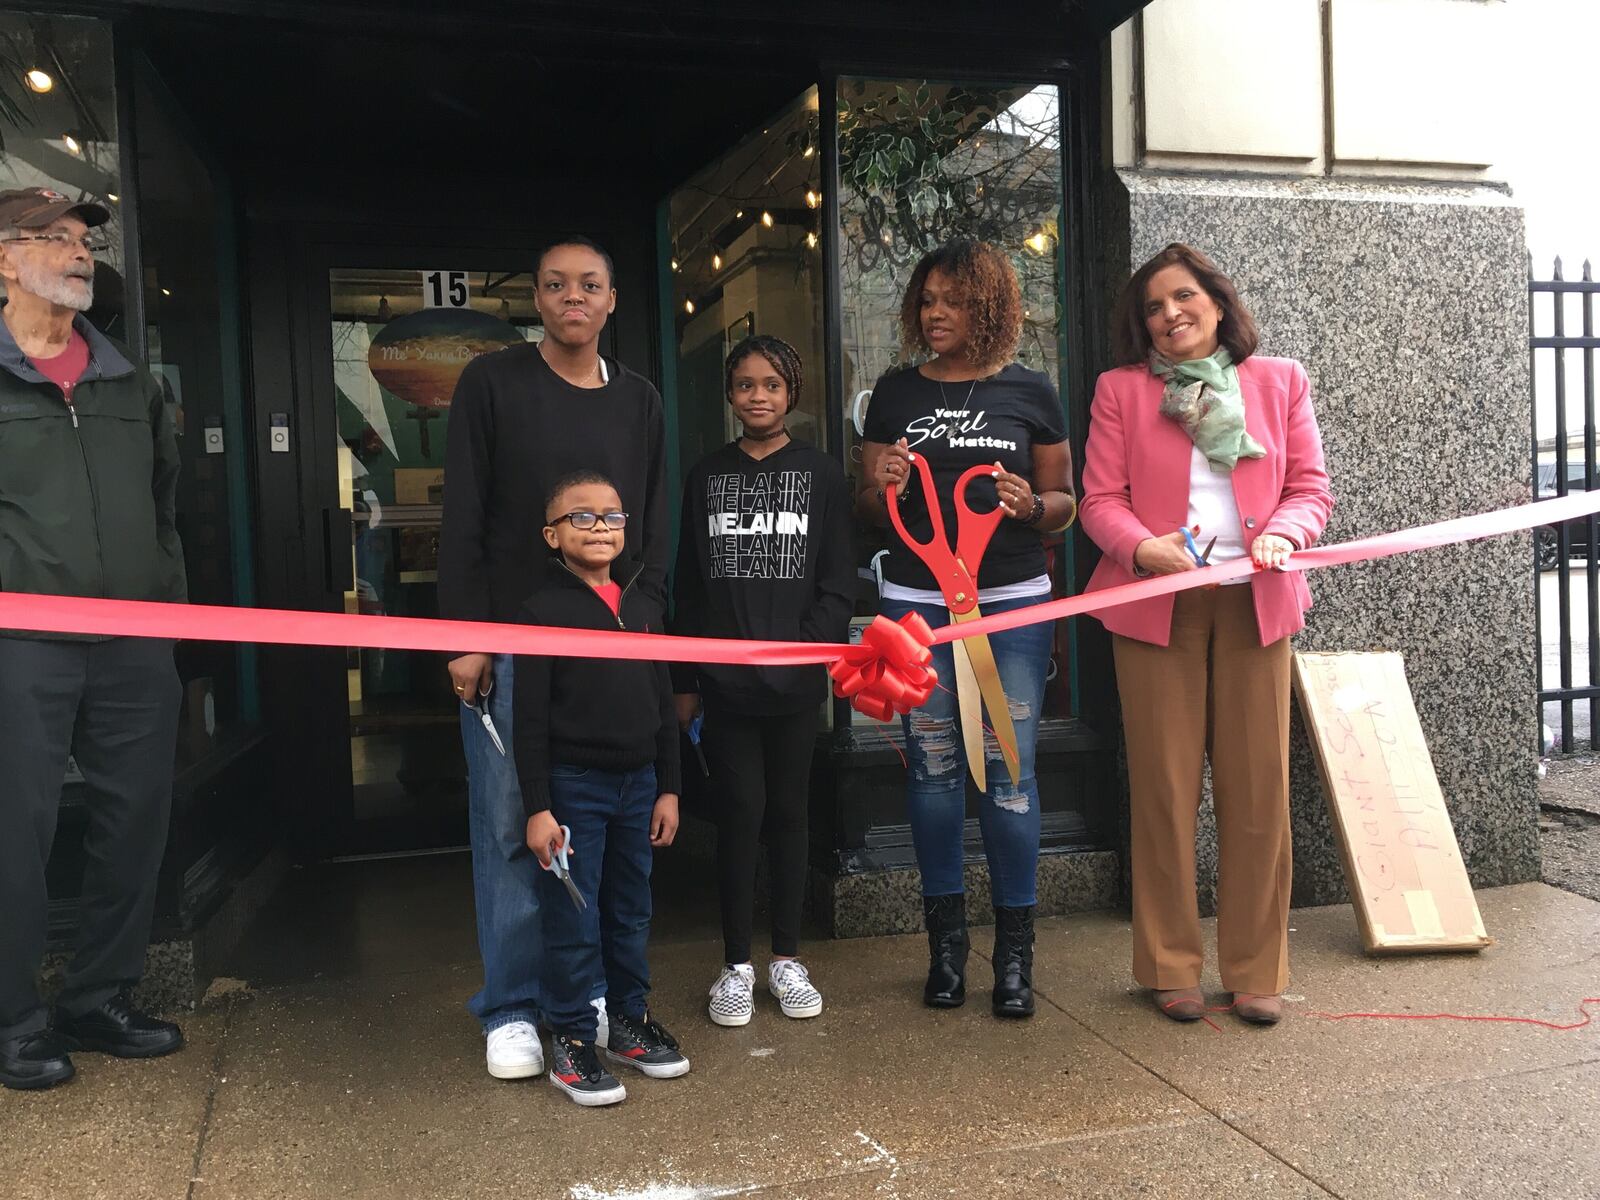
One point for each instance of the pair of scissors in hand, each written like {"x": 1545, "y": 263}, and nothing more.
{"x": 480, "y": 705}
{"x": 558, "y": 864}
{"x": 1200, "y": 559}
{"x": 956, "y": 572}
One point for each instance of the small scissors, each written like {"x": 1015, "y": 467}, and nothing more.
{"x": 558, "y": 864}
{"x": 977, "y": 676}
{"x": 482, "y": 709}
{"x": 1200, "y": 560}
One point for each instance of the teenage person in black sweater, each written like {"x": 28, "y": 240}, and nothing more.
{"x": 521, "y": 419}
{"x": 597, "y": 756}
{"x": 764, "y": 552}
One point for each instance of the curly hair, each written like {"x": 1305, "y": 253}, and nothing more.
{"x": 1130, "y": 336}
{"x": 985, "y": 287}
{"x": 780, "y": 355}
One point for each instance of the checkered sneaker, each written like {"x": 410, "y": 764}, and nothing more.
{"x": 791, "y": 987}
{"x": 733, "y": 996}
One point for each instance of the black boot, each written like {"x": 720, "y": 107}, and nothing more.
{"x": 946, "y": 919}
{"x": 1013, "y": 961}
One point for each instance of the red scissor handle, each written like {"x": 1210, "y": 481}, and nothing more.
{"x": 955, "y": 571}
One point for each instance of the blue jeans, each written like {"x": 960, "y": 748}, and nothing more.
{"x": 937, "y": 763}
{"x": 503, "y": 868}
{"x": 608, "y": 813}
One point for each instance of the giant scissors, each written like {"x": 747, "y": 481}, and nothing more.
{"x": 956, "y": 571}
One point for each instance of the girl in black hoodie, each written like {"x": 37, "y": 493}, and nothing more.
{"x": 764, "y": 552}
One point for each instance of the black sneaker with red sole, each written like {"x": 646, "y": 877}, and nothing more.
{"x": 575, "y": 1069}
{"x": 645, "y": 1046}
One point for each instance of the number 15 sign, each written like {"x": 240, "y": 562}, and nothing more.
{"x": 445, "y": 289}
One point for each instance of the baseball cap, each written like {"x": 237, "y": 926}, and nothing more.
{"x": 35, "y": 207}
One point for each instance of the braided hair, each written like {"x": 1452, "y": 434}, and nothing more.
{"x": 782, "y": 357}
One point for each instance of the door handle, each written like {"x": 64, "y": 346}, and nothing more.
{"x": 338, "y": 561}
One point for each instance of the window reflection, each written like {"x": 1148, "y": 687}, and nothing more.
{"x": 746, "y": 258}
{"x": 58, "y": 128}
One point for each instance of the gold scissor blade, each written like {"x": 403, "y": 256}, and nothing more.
{"x": 986, "y": 673}
{"x": 970, "y": 700}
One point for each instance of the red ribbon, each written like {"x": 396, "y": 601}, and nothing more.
{"x": 891, "y": 671}
{"x": 893, "y": 668}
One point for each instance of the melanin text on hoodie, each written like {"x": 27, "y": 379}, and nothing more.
{"x": 614, "y": 714}
{"x": 764, "y": 552}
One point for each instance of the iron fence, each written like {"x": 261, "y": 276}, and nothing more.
{"x": 1564, "y": 461}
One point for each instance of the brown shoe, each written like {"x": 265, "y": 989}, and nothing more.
{"x": 1180, "y": 1004}
{"x": 1258, "y": 1010}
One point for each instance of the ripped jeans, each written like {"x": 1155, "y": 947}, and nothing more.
{"x": 1008, "y": 815}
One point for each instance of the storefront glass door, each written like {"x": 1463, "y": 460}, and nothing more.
{"x": 400, "y": 339}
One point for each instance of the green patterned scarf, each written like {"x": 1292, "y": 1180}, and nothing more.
{"x": 1203, "y": 396}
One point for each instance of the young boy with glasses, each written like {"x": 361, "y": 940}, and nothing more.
{"x": 596, "y": 747}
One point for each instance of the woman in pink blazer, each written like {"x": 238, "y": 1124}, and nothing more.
{"x": 1195, "y": 433}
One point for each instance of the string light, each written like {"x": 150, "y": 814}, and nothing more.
{"x": 71, "y": 143}
{"x": 766, "y": 219}
{"x": 674, "y": 264}
{"x": 38, "y": 81}
{"x": 813, "y": 199}
{"x": 1038, "y": 243}
{"x": 113, "y": 197}
{"x": 716, "y": 262}
{"x": 808, "y": 151}
{"x": 811, "y": 240}
{"x": 739, "y": 216}
{"x": 688, "y": 307}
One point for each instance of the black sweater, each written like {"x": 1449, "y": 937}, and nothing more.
{"x": 515, "y": 428}
{"x": 764, "y": 552}
{"x": 615, "y": 714}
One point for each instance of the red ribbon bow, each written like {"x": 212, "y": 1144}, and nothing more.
{"x": 891, "y": 671}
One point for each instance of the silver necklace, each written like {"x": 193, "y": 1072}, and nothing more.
{"x": 946, "y": 398}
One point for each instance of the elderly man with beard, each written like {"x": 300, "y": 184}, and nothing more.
{"x": 88, "y": 475}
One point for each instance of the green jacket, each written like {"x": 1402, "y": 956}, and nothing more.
{"x": 88, "y": 494}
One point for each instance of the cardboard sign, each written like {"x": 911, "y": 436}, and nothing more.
{"x": 1401, "y": 860}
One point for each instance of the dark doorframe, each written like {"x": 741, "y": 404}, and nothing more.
{"x": 304, "y": 534}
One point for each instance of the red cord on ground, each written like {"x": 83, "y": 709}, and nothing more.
{"x": 1383, "y": 1016}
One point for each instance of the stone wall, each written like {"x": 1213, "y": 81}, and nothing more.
{"x": 1408, "y": 307}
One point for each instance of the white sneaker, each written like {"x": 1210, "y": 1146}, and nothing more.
{"x": 733, "y": 996}
{"x": 791, "y": 987}
{"x": 514, "y": 1051}
{"x": 602, "y": 1025}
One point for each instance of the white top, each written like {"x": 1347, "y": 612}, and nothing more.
{"x": 1212, "y": 507}
{"x": 1038, "y": 585}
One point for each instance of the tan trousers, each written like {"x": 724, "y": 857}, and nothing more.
{"x": 1215, "y": 690}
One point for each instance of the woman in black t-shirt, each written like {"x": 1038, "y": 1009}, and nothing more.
{"x": 971, "y": 404}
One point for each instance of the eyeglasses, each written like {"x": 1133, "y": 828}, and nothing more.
{"x": 63, "y": 239}
{"x": 588, "y": 520}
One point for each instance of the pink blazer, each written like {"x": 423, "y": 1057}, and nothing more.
{"x": 1136, "y": 486}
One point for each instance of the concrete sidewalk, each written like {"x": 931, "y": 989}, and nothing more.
{"x": 349, "y": 1068}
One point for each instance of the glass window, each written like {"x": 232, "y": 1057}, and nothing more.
{"x": 58, "y": 128}
{"x": 745, "y": 246}
{"x": 922, "y": 162}
{"x": 400, "y": 339}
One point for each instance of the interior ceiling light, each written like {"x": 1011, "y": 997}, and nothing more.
{"x": 71, "y": 143}
{"x": 766, "y": 219}
{"x": 38, "y": 81}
